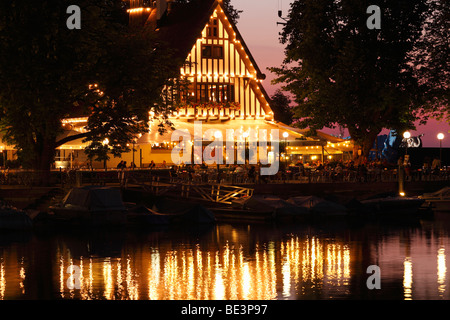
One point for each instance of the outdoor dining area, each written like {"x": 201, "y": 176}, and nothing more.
{"x": 237, "y": 174}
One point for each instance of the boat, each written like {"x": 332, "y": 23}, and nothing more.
{"x": 439, "y": 200}
{"x": 95, "y": 205}
{"x": 319, "y": 207}
{"x": 145, "y": 216}
{"x": 262, "y": 207}
{"x": 392, "y": 205}
{"x": 163, "y": 213}
{"x": 13, "y": 219}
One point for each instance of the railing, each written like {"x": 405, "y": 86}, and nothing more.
{"x": 210, "y": 176}
{"x": 215, "y": 193}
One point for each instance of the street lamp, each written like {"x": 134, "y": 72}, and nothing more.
{"x": 105, "y": 143}
{"x": 406, "y": 135}
{"x": 440, "y": 137}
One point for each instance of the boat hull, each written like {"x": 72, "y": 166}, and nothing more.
{"x": 110, "y": 217}
{"x": 439, "y": 205}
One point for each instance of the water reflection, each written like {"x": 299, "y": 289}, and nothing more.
{"x": 229, "y": 262}
{"x": 297, "y": 266}
{"x": 441, "y": 271}
{"x": 407, "y": 278}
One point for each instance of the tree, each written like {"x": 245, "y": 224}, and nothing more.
{"x": 281, "y": 108}
{"x": 232, "y": 12}
{"x": 432, "y": 58}
{"x": 343, "y": 73}
{"x": 46, "y": 70}
{"x": 43, "y": 68}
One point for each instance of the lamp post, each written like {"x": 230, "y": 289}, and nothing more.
{"x": 217, "y": 136}
{"x": 285, "y": 135}
{"x": 245, "y": 135}
{"x": 134, "y": 143}
{"x": 406, "y": 135}
{"x": 105, "y": 143}
{"x": 440, "y": 137}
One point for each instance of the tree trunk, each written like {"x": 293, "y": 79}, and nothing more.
{"x": 365, "y": 144}
{"x": 44, "y": 159}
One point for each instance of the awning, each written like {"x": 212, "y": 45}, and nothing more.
{"x": 332, "y": 144}
{"x": 74, "y": 144}
{"x": 209, "y": 129}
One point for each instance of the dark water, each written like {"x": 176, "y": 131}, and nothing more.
{"x": 326, "y": 260}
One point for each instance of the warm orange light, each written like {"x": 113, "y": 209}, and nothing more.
{"x": 138, "y": 10}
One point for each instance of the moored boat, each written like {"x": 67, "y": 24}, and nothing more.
{"x": 392, "y": 206}
{"x": 439, "y": 200}
{"x": 319, "y": 207}
{"x": 167, "y": 214}
{"x": 12, "y": 218}
{"x": 94, "y": 205}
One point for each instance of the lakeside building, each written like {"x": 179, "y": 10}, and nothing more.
{"x": 225, "y": 91}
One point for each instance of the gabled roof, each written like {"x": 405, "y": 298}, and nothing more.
{"x": 182, "y": 25}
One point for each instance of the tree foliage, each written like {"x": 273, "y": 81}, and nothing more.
{"x": 282, "y": 110}
{"x": 231, "y": 10}
{"x": 343, "y": 73}
{"x": 44, "y": 68}
{"x": 432, "y": 59}
{"x": 47, "y": 73}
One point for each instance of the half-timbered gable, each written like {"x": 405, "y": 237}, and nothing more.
{"x": 223, "y": 73}
{"x": 225, "y": 81}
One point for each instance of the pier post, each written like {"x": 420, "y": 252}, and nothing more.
{"x": 401, "y": 180}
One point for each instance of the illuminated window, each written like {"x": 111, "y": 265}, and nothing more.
{"x": 212, "y": 51}
{"x": 214, "y": 92}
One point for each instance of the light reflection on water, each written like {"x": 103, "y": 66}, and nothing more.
{"x": 236, "y": 262}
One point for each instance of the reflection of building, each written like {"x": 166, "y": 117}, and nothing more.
{"x": 231, "y": 262}
{"x": 224, "y": 88}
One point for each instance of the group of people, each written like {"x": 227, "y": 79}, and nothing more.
{"x": 335, "y": 170}
{"x": 374, "y": 170}
{"x": 248, "y": 173}
{"x": 123, "y": 165}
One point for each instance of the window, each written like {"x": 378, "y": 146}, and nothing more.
{"x": 211, "y": 30}
{"x": 214, "y": 92}
{"x": 206, "y": 51}
{"x": 212, "y": 51}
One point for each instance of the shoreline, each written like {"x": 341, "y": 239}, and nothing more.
{"x": 37, "y": 197}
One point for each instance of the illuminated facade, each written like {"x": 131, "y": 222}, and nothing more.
{"x": 224, "y": 83}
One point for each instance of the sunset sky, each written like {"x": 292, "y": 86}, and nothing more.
{"x": 258, "y": 26}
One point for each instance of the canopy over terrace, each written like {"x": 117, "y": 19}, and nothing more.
{"x": 239, "y": 131}
{"x": 241, "y": 128}
{"x": 333, "y": 147}
{"x": 76, "y": 144}
{"x": 71, "y": 154}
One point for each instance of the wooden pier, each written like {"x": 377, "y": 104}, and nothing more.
{"x": 211, "y": 192}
